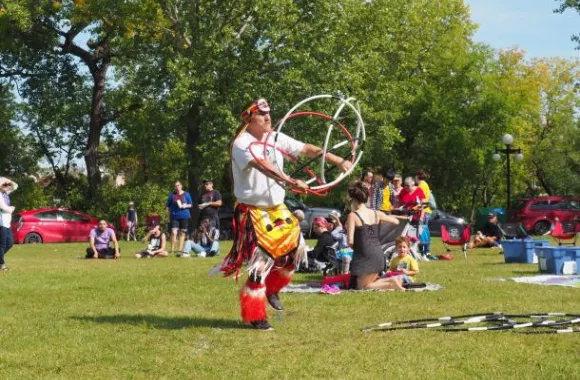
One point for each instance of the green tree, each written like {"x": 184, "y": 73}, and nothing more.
{"x": 37, "y": 38}
{"x": 18, "y": 156}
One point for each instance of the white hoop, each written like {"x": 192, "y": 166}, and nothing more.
{"x": 358, "y": 139}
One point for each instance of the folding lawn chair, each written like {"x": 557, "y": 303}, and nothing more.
{"x": 462, "y": 240}
{"x": 560, "y": 235}
{"x": 513, "y": 231}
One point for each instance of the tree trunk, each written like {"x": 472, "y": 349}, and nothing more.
{"x": 192, "y": 121}
{"x": 95, "y": 127}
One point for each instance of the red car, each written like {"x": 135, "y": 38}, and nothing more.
{"x": 52, "y": 225}
{"x": 538, "y": 213}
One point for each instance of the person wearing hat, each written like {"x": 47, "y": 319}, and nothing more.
{"x": 322, "y": 228}
{"x": 209, "y": 203}
{"x": 490, "y": 236}
{"x": 7, "y": 186}
{"x": 132, "y": 220}
{"x": 395, "y": 191}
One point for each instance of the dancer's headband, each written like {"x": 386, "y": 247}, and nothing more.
{"x": 261, "y": 106}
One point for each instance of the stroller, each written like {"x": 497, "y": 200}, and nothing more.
{"x": 389, "y": 233}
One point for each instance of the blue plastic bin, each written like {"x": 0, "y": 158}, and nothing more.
{"x": 522, "y": 251}
{"x": 555, "y": 259}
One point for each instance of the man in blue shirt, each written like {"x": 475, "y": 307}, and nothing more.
{"x": 178, "y": 204}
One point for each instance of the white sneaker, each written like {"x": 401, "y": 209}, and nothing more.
{"x": 201, "y": 254}
{"x": 186, "y": 255}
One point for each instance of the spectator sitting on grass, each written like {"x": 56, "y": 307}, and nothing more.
{"x": 489, "y": 236}
{"x": 321, "y": 227}
{"x": 100, "y": 239}
{"x": 155, "y": 240}
{"x": 205, "y": 240}
{"x": 344, "y": 253}
{"x": 362, "y": 226}
{"x": 403, "y": 262}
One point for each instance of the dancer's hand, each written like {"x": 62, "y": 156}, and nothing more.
{"x": 345, "y": 166}
{"x": 301, "y": 185}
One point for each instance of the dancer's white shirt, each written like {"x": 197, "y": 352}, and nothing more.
{"x": 250, "y": 185}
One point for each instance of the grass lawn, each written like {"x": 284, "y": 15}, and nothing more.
{"x": 69, "y": 318}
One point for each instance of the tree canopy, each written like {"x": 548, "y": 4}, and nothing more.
{"x": 153, "y": 90}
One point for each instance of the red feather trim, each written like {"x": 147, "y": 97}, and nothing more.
{"x": 253, "y": 302}
{"x": 278, "y": 278}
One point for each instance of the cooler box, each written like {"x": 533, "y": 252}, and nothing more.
{"x": 559, "y": 260}
{"x": 522, "y": 251}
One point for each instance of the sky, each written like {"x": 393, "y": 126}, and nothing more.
{"x": 530, "y": 25}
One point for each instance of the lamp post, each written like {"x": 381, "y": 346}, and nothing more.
{"x": 508, "y": 140}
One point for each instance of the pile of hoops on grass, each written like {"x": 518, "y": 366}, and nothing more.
{"x": 533, "y": 323}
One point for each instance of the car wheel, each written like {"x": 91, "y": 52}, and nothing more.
{"x": 542, "y": 227}
{"x": 33, "y": 238}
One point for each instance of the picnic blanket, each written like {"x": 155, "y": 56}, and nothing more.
{"x": 570, "y": 281}
{"x": 316, "y": 287}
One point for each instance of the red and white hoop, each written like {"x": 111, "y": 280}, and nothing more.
{"x": 351, "y": 142}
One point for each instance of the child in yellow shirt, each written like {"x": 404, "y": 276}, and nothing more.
{"x": 404, "y": 262}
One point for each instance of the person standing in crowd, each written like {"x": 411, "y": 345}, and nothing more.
{"x": 178, "y": 205}
{"x": 377, "y": 192}
{"x": 209, "y": 203}
{"x": 387, "y": 198}
{"x": 367, "y": 180}
{"x": 425, "y": 243}
{"x": 132, "y": 220}
{"x": 412, "y": 198}
{"x": 396, "y": 191}
{"x": 7, "y": 186}
{"x": 100, "y": 240}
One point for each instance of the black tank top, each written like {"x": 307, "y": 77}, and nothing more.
{"x": 368, "y": 255}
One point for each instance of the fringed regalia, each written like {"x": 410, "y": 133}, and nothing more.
{"x": 269, "y": 241}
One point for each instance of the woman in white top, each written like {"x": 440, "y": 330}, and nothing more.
{"x": 7, "y": 186}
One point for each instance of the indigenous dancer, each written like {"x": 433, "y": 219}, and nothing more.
{"x": 266, "y": 234}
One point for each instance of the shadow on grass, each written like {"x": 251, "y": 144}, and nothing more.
{"x": 160, "y": 322}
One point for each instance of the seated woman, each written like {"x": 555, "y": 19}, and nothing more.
{"x": 155, "y": 240}
{"x": 406, "y": 265}
{"x": 363, "y": 236}
{"x": 325, "y": 243}
{"x": 205, "y": 240}
{"x": 344, "y": 254}
{"x": 100, "y": 239}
